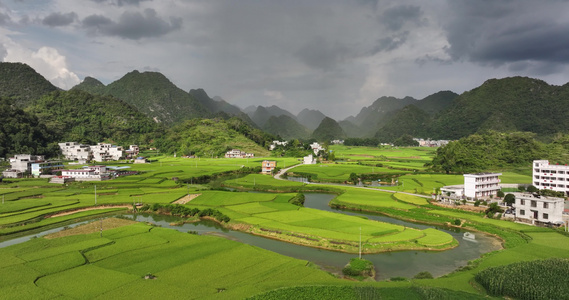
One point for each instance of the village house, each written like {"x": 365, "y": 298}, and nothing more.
{"x": 536, "y": 209}
{"x": 32, "y": 164}
{"x": 316, "y": 148}
{"x": 75, "y": 151}
{"x": 236, "y": 153}
{"x": 476, "y": 186}
{"x": 277, "y": 143}
{"x": 91, "y": 173}
{"x": 99, "y": 153}
{"x": 268, "y": 166}
{"x": 309, "y": 160}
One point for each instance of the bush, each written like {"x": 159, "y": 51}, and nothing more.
{"x": 423, "y": 275}
{"x": 476, "y": 203}
{"x": 500, "y": 194}
{"x": 457, "y": 222}
{"x": 398, "y": 278}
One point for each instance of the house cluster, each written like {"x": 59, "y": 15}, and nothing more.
{"x": 274, "y": 144}
{"x": 36, "y": 165}
{"x": 236, "y": 153}
{"x": 527, "y": 207}
{"x": 316, "y": 148}
{"x": 337, "y": 142}
{"x": 91, "y": 173}
{"x": 430, "y": 143}
{"x": 99, "y": 153}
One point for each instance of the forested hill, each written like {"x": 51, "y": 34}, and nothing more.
{"x": 509, "y": 104}
{"x": 286, "y": 127}
{"x": 86, "y": 118}
{"x": 328, "y": 130}
{"x": 152, "y": 94}
{"x": 213, "y": 137}
{"x": 21, "y": 83}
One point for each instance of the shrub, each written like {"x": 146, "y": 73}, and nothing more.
{"x": 398, "y": 278}
{"x": 423, "y": 275}
{"x": 500, "y": 194}
{"x": 476, "y": 203}
{"x": 457, "y": 222}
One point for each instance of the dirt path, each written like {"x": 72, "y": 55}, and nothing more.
{"x": 86, "y": 209}
{"x": 186, "y": 199}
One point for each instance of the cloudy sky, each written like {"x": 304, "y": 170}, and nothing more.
{"x": 335, "y": 56}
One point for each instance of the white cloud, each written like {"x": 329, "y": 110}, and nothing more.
{"x": 46, "y": 60}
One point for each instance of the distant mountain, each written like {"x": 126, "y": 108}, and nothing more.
{"x": 214, "y": 106}
{"x": 262, "y": 114}
{"x": 351, "y": 129}
{"x": 91, "y": 85}
{"x": 286, "y": 127}
{"x": 409, "y": 120}
{"x": 22, "y": 83}
{"x": 508, "y": 104}
{"x": 436, "y": 102}
{"x": 310, "y": 118}
{"x": 152, "y": 94}
{"x": 370, "y": 118}
{"x": 328, "y": 130}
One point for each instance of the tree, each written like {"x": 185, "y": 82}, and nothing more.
{"x": 500, "y": 194}
{"x": 405, "y": 140}
{"x": 510, "y": 199}
{"x": 354, "y": 178}
{"x": 492, "y": 209}
{"x": 532, "y": 189}
{"x": 424, "y": 275}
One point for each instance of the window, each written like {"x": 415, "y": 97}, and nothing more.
{"x": 522, "y": 202}
{"x": 522, "y": 212}
{"x": 545, "y": 216}
{"x": 545, "y": 205}
{"x": 533, "y": 203}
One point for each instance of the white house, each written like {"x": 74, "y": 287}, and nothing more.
{"x": 481, "y": 185}
{"x": 277, "y": 143}
{"x": 75, "y": 151}
{"x": 39, "y": 168}
{"x": 534, "y": 208}
{"x": 309, "y": 160}
{"x": 236, "y": 153}
{"x": 20, "y": 164}
{"x": 105, "y": 152}
{"x": 550, "y": 177}
{"x": 92, "y": 173}
{"x": 316, "y": 148}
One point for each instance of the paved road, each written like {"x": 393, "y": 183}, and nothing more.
{"x": 282, "y": 171}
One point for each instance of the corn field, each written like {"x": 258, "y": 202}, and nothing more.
{"x": 539, "y": 279}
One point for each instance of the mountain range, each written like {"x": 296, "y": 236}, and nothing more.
{"x": 141, "y": 106}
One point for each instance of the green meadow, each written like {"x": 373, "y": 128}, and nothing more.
{"x": 88, "y": 266}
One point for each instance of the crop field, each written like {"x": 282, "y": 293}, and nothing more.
{"x": 283, "y": 220}
{"x": 340, "y": 172}
{"x": 424, "y": 183}
{"x": 356, "y": 196}
{"x": 409, "y": 153}
{"x": 182, "y": 264}
{"x": 260, "y": 180}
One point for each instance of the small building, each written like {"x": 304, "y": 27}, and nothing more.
{"x": 92, "y": 173}
{"x": 46, "y": 167}
{"x": 309, "y": 160}
{"x": 236, "y": 153}
{"x": 268, "y": 166}
{"x": 535, "y": 208}
{"x": 316, "y": 148}
{"x": 277, "y": 143}
{"x": 133, "y": 151}
{"x": 140, "y": 160}
{"x": 481, "y": 185}
{"x": 20, "y": 164}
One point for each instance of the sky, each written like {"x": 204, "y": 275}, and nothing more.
{"x": 331, "y": 55}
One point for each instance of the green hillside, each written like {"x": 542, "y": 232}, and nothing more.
{"x": 22, "y": 83}
{"x": 328, "y": 130}
{"x": 22, "y": 132}
{"x": 286, "y": 127}
{"x": 410, "y": 120}
{"x": 82, "y": 117}
{"x": 213, "y": 137}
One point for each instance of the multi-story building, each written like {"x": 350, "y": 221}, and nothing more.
{"x": 309, "y": 160}
{"x": 76, "y": 151}
{"x": 20, "y": 164}
{"x": 535, "y": 208}
{"x": 106, "y": 152}
{"x": 268, "y": 166}
{"x": 481, "y": 185}
{"x": 92, "y": 173}
{"x": 550, "y": 177}
{"x": 132, "y": 152}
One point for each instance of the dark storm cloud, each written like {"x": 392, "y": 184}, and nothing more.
{"x": 395, "y": 17}
{"x": 498, "y": 32}
{"x": 132, "y": 25}
{"x": 390, "y": 43}
{"x": 59, "y": 19}
{"x": 321, "y": 54}
{"x": 121, "y": 2}
{"x": 4, "y": 19}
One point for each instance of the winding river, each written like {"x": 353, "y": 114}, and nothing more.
{"x": 393, "y": 264}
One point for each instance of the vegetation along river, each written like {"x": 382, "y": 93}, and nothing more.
{"x": 392, "y": 264}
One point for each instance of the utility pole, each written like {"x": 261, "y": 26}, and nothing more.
{"x": 360, "y": 243}
{"x": 95, "y": 194}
